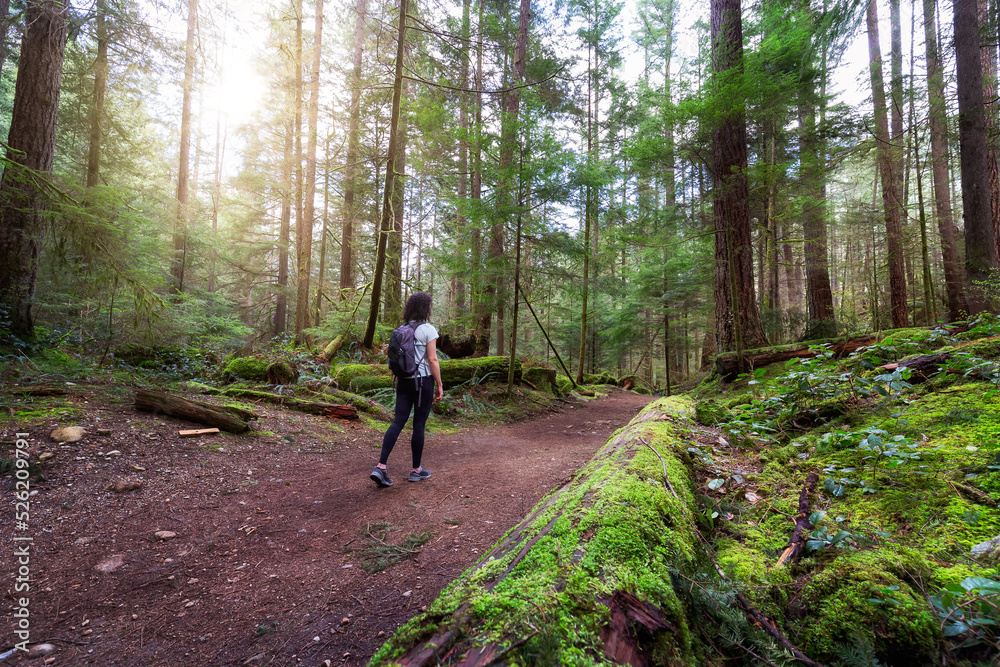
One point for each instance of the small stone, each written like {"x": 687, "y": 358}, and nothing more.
{"x": 114, "y": 452}
{"x": 986, "y": 548}
{"x": 136, "y": 468}
{"x": 165, "y": 535}
{"x": 104, "y": 431}
{"x": 39, "y": 650}
{"x": 45, "y": 456}
{"x": 407, "y": 594}
{"x": 193, "y": 580}
{"x": 381, "y": 633}
{"x": 123, "y": 487}
{"x": 85, "y": 623}
{"x": 345, "y": 621}
{"x": 316, "y": 638}
{"x": 68, "y": 434}
{"x": 190, "y": 604}
{"x": 347, "y": 655}
{"x": 83, "y": 541}
{"x": 111, "y": 564}
{"x": 88, "y": 632}
{"x": 50, "y": 661}
{"x": 135, "y": 617}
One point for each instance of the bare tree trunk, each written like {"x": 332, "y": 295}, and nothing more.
{"x": 100, "y": 87}
{"x": 181, "y": 213}
{"x": 737, "y": 315}
{"x": 458, "y": 285}
{"x": 988, "y": 55}
{"x": 980, "y": 248}
{"x": 391, "y": 183}
{"x": 393, "y": 306}
{"x": 351, "y": 174}
{"x": 819, "y": 294}
{"x": 888, "y": 167}
{"x": 4, "y": 25}
{"x": 31, "y": 142}
{"x": 284, "y": 231}
{"x": 306, "y": 182}
{"x": 953, "y": 271}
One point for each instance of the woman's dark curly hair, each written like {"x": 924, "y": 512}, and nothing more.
{"x": 417, "y": 308}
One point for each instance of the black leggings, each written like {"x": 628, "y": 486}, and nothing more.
{"x": 407, "y": 393}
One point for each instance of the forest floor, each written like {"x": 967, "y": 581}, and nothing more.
{"x": 277, "y": 533}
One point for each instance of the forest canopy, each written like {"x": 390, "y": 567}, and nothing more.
{"x": 633, "y": 186}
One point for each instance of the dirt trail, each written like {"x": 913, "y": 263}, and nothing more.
{"x": 267, "y": 567}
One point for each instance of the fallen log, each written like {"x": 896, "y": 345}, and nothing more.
{"x": 320, "y": 408}
{"x": 363, "y": 377}
{"x": 803, "y": 526}
{"x": 159, "y": 402}
{"x": 615, "y": 528}
{"x": 37, "y": 390}
{"x": 363, "y": 404}
{"x": 727, "y": 364}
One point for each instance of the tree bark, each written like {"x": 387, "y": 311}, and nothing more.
{"x": 980, "y": 247}
{"x": 888, "y": 168}
{"x": 988, "y": 55}
{"x": 351, "y": 184}
{"x": 953, "y": 271}
{"x": 391, "y": 183}
{"x": 393, "y": 306}
{"x": 100, "y": 86}
{"x": 179, "y": 261}
{"x": 737, "y": 315}
{"x": 307, "y": 219}
{"x": 31, "y": 152}
{"x": 819, "y": 294}
{"x": 284, "y": 233}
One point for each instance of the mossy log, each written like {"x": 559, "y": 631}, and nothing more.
{"x": 363, "y": 377}
{"x": 727, "y": 364}
{"x": 587, "y": 572}
{"x": 320, "y": 408}
{"x": 159, "y": 402}
{"x": 543, "y": 379}
{"x": 363, "y": 404}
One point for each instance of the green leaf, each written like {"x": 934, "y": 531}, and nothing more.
{"x": 716, "y": 483}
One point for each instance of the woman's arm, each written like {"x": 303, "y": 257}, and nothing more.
{"x": 435, "y": 366}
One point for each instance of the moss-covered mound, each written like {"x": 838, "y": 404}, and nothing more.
{"x": 253, "y": 369}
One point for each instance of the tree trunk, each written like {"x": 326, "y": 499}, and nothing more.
{"x": 819, "y": 294}
{"x": 737, "y": 315}
{"x": 980, "y": 248}
{"x": 181, "y": 214}
{"x": 4, "y": 26}
{"x": 953, "y": 272}
{"x": 351, "y": 173}
{"x": 393, "y": 306}
{"x": 458, "y": 285}
{"x": 284, "y": 233}
{"x": 988, "y": 55}
{"x": 391, "y": 183}
{"x": 888, "y": 168}
{"x": 100, "y": 86}
{"x": 31, "y": 151}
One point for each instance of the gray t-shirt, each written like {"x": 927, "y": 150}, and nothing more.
{"x": 423, "y": 335}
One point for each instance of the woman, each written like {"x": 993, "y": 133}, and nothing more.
{"x": 414, "y": 393}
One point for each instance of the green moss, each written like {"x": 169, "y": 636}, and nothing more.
{"x": 840, "y": 610}
{"x": 247, "y": 368}
{"x": 564, "y": 384}
{"x": 599, "y": 378}
{"x": 543, "y": 378}
{"x": 711, "y": 413}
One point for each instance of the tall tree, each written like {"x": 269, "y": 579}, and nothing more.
{"x": 737, "y": 316}
{"x": 305, "y": 231}
{"x": 391, "y": 182}
{"x": 937, "y": 120}
{"x": 183, "y": 168}
{"x": 980, "y": 247}
{"x": 888, "y": 167}
{"x": 988, "y": 55}
{"x": 31, "y": 151}
{"x": 351, "y": 184}
{"x": 100, "y": 88}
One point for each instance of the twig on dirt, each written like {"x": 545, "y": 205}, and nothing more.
{"x": 446, "y": 497}
{"x": 666, "y": 479}
{"x": 547, "y": 407}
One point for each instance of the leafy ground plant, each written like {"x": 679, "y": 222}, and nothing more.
{"x": 970, "y": 609}
{"x": 379, "y": 554}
